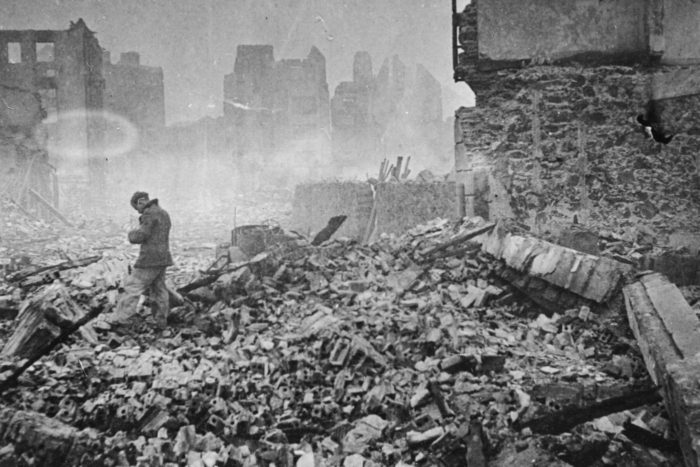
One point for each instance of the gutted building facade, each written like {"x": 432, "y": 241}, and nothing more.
{"x": 63, "y": 68}
{"x": 26, "y": 175}
{"x": 554, "y": 136}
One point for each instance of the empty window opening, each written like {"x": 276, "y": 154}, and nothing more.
{"x": 44, "y": 52}
{"x": 14, "y": 52}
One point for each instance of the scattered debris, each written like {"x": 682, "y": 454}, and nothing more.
{"x": 412, "y": 350}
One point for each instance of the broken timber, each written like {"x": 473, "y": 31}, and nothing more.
{"x": 668, "y": 333}
{"x": 46, "y": 316}
{"x": 50, "y": 207}
{"x": 78, "y": 263}
{"x": 461, "y": 238}
{"x": 592, "y": 278}
{"x": 327, "y": 232}
{"x": 569, "y": 417}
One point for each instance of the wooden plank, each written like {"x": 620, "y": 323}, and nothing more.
{"x": 50, "y": 207}
{"x": 43, "y": 318}
{"x": 460, "y": 238}
{"x": 567, "y": 418}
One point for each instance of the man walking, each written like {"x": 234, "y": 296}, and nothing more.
{"x": 148, "y": 272}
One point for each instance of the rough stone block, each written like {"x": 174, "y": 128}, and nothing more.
{"x": 666, "y": 330}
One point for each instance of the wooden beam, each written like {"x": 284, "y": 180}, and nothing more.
{"x": 50, "y": 207}
{"x": 43, "y": 326}
{"x": 327, "y": 232}
{"x": 461, "y": 238}
{"x": 71, "y": 264}
{"x": 569, "y": 417}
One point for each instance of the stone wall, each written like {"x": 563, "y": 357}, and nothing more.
{"x": 507, "y": 33}
{"x": 315, "y": 203}
{"x": 563, "y": 142}
{"x": 524, "y": 29}
{"x": 402, "y": 206}
{"x": 399, "y": 206}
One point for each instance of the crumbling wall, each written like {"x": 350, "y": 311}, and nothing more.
{"x": 315, "y": 203}
{"x": 65, "y": 68}
{"x": 402, "y": 206}
{"x": 564, "y": 141}
{"x": 398, "y": 206}
{"x": 24, "y": 163}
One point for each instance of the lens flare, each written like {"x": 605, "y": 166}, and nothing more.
{"x": 66, "y": 134}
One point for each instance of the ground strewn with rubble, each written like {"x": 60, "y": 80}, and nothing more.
{"x": 423, "y": 349}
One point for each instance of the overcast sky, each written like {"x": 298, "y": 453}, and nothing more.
{"x": 195, "y": 40}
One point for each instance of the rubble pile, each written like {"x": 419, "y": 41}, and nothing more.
{"x": 388, "y": 354}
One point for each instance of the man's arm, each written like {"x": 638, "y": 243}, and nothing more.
{"x": 142, "y": 234}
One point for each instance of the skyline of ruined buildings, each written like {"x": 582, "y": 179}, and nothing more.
{"x": 394, "y": 112}
{"x": 282, "y": 107}
{"x": 272, "y": 108}
{"x": 274, "y": 105}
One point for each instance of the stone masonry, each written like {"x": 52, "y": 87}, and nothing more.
{"x": 553, "y": 141}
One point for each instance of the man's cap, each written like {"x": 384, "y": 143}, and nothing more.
{"x": 137, "y": 196}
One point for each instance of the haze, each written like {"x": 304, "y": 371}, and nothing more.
{"x": 195, "y": 41}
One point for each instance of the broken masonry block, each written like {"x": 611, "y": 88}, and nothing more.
{"x": 416, "y": 438}
{"x": 340, "y": 352}
{"x": 491, "y": 363}
{"x": 459, "y": 363}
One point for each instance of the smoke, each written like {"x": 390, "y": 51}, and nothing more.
{"x": 66, "y": 134}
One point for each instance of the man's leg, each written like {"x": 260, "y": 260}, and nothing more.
{"x": 135, "y": 285}
{"x": 161, "y": 299}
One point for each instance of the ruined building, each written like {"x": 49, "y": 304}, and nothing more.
{"x": 277, "y": 106}
{"x": 63, "y": 68}
{"x": 395, "y": 113}
{"x": 553, "y": 137}
{"x": 134, "y": 91}
{"x": 26, "y": 176}
{"x": 356, "y": 135}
